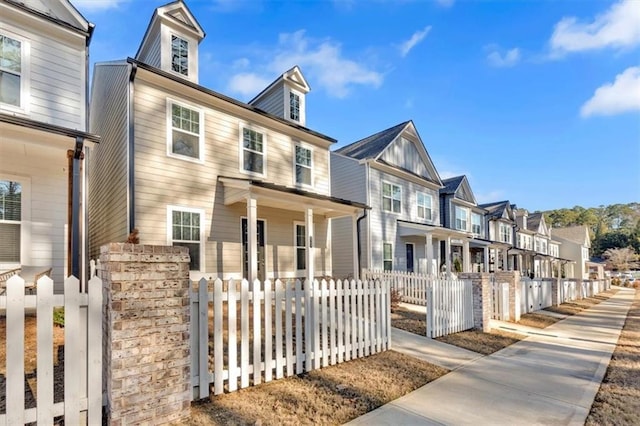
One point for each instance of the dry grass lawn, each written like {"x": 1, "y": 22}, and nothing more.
{"x": 537, "y": 320}
{"x": 618, "y": 400}
{"x": 332, "y": 395}
{"x": 572, "y": 308}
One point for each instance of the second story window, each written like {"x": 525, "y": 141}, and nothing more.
{"x": 185, "y": 138}
{"x": 179, "y": 55}
{"x": 462, "y": 218}
{"x": 505, "y": 233}
{"x": 294, "y": 106}
{"x": 304, "y": 159}
{"x": 424, "y": 206}
{"x": 476, "y": 223}
{"x": 253, "y": 151}
{"x": 10, "y": 71}
{"x": 391, "y": 198}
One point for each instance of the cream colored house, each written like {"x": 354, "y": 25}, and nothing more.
{"x": 576, "y": 244}
{"x": 43, "y": 121}
{"x": 244, "y": 185}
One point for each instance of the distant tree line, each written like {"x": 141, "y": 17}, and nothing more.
{"x": 612, "y": 227}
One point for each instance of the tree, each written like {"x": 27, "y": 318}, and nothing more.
{"x": 620, "y": 259}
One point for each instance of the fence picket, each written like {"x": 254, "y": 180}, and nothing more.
{"x": 257, "y": 333}
{"x": 45, "y": 350}
{"x": 316, "y": 319}
{"x": 332, "y": 321}
{"x": 218, "y": 348}
{"x": 203, "y": 334}
{"x": 71, "y": 349}
{"x": 340, "y": 317}
{"x": 324, "y": 322}
{"x": 299, "y": 328}
{"x": 15, "y": 351}
{"x": 288, "y": 291}
{"x": 268, "y": 333}
{"x": 232, "y": 353}
{"x": 278, "y": 321}
{"x": 244, "y": 330}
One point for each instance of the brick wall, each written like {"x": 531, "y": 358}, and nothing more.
{"x": 481, "y": 285}
{"x": 515, "y": 292}
{"x": 146, "y": 332}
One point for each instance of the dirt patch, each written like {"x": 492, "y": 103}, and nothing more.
{"x": 411, "y": 321}
{"x": 618, "y": 399}
{"x": 332, "y": 395}
{"x": 537, "y": 320}
{"x": 572, "y": 308}
{"x": 482, "y": 343}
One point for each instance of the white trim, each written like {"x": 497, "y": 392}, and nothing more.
{"x": 455, "y": 217}
{"x": 266, "y": 270}
{"x": 25, "y": 220}
{"x": 169, "y": 125}
{"x": 297, "y": 271}
{"x": 426, "y": 194}
{"x": 413, "y": 250}
{"x": 169, "y": 226}
{"x": 25, "y": 74}
{"x": 392, "y": 199}
{"x": 383, "y": 259}
{"x": 287, "y": 105}
{"x": 242, "y": 125}
{"x": 295, "y": 164}
{"x": 166, "y": 50}
{"x": 480, "y": 218}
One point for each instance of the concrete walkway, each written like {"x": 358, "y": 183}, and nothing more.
{"x": 549, "y": 378}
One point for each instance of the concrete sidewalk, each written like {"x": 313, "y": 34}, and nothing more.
{"x": 548, "y": 379}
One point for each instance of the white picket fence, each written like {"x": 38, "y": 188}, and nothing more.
{"x": 449, "y": 302}
{"x": 535, "y": 294}
{"x": 499, "y": 300}
{"x": 272, "y": 330}
{"x": 82, "y": 352}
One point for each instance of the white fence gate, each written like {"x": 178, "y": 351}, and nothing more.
{"x": 535, "y": 294}
{"x": 449, "y": 302}
{"x": 272, "y": 330}
{"x": 82, "y": 352}
{"x": 499, "y": 300}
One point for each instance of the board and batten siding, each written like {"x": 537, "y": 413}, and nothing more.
{"x": 404, "y": 154}
{"x": 56, "y": 77}
{"x": 109, "y": 163}
{"x": 383, "y": 224}
{"x": 272, "y": 101}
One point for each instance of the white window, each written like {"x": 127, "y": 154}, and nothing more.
{"x": 476, "y": 223}
{"x": 185, "y": 229}
{"x": 186, "y": 127}
{"x": 537, "y": 244}
{"x": 424, "y": 206}
{"x": 462, "y": 218}
{"x": 391, "y": 197}
{"x": 544, "y": 247}
{"x": 252, "y": 151}
{"x": 10, "y": 221}
{"x": 300, "y": 235}
{"x": 505, "y": 233}
{"x": 304, "y": 165}
{"x": 387, "y": 257}
{"x": 294, "y": 106}
{"x": 179, "y": 55}
{"x": 12, "y": 72}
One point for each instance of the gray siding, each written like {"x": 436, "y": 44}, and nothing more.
{"x": 151, "y": 51}
{"x": 272, "y": 101}
{"x": 348, "y": 179}
{"x": 403, "y": 153}
{"x": 108, "y": 168}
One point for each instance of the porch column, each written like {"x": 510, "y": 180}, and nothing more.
{"x": 428, "y": 249}
{"x": 252, "y": 238}
{"x": 466, "y": 257}
{"x": 520, "y": 266}
{"x": 311, "y": 259}
{"x": 356, "y": 260}
{"x": 447, "y": 254}
{"x": 486, "y": 259}
{"x": 505, "y": 260}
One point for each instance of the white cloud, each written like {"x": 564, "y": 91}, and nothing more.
{"x": 618, "y": 27}
{"x": 621, "y": 96}
{"x": 508, "y": 59}
{"x": 416, "y": 38}
{"x": 248, "y": 84}
{"x": 323, "y": 62}
{"x": 445, "y": 3}
{"x": 96, "y": 5}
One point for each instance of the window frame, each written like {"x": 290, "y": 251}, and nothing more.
{"x": 295, "y": 164}
{"x": 241, "y": 149}
{"x": 25, "y": 220}
{"x": 169, "y": 123}
{"x": 391, "y": 198}
{"x": 184, "y": 39}
{"x": 456, "y": 218}
{"x": 297, "y": 247}
{"x": 25, "y": 65}
{"x": 505, "y": 226}
{"x": 418, "y": 206}
{"x": 301, "y": 105}
{"x": 384, "y": 259}
{"x": 173, "y": 208}
{"x": 479, "y": 225}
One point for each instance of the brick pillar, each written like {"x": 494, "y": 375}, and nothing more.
{"x": 146, "y": 332}
{"x": 515, "y": 292}
{"x": 481, "y": 299}
{"x": 556, "y": 294}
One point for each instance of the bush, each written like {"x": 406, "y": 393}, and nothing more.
{"x": 58, "y": 316}
{"x": 396, "y": 298}
{"x": 615, "y": 281}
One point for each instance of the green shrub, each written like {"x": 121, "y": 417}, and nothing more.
{"x": 58, "y": 316}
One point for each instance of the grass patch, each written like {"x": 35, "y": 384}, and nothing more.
{"x": 572, "y": 308}
{"x": 482, "y": 343}
{"x": 618, "y": 399}
{"x": 332, "y": 395}
{"x": 537, "y": 320}
{"x": 408, "y": 320}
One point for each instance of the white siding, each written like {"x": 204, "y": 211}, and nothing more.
{"x": 272, "y": 101}
{"x": 108, "y": 168}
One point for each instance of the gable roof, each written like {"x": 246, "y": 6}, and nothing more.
{"x": 61, "y": 12}
{"x": 451, "y": 184}
{"x": 578, "y": 234}
{"x": 533, "y": 221}
{"x": 293, "y": 75}
{"x": 498, "y": 209}
{"x": 459, "y": 186}
{"x": 372, "y": 146}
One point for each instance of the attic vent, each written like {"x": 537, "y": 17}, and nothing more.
{"x": 179, "y": 16}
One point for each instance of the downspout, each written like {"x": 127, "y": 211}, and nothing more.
{"x": 78, "y": 155}
{"x": 85, "y": 192}
{"x": 364, "y": 215}
{"x": 131, "y": 153}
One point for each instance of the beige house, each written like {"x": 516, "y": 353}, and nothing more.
{"x": 43, "y": 139}
{"x": 244, "y": 185}
{"x": 575, "y": 247}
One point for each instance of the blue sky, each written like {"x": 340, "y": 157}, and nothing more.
{"x": 537, "y": 102}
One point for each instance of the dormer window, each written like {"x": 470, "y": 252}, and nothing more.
{"x": 179, "y": 55}
{"x": 294, "y": 106}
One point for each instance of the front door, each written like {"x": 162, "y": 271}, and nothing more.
{"x": 261, "y": 250}
{"x": 409, "y": 248}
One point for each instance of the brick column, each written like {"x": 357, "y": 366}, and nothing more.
{"x": 481, "y": 299}
{"x": 146, "y": 332}
{"x": 556, "y": 297}
{"x": 515, "y": 292}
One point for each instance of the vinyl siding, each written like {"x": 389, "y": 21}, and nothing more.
{"x": 109, "y": 168}
{"x": 273, "y": 101}
{"x": 151, "y": 52}
{"x": 56, "y": 77}
{"x": 404, "y": 154}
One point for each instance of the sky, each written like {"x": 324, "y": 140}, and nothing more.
{"x": 537, "y": 102}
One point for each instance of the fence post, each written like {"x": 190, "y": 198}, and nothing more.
{"x": 481, "y": 286}
{"x": 556, "y": 293}
{"x": 146, "y": 333}
{"x": 515, "y": 292}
